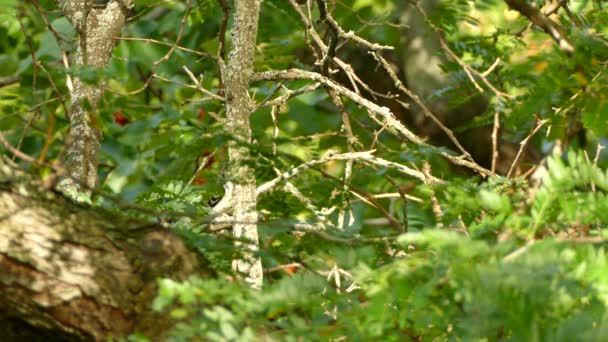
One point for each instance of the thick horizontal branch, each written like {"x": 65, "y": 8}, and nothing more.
{"x": 80, "y": 271}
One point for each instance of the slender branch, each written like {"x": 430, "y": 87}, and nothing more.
{"x": 541, "y": 20}
{"x": 199, "y": 86}
{"x": 524, "y": 144}
{"x": 420, "y": 104}
{"x": 495, "y": 133}
{"x": 351, "y": 141}
{"x": 171, "y": 45}
{"x": 382, "y": 115}
{"x": 426, "y": 169}
{"x": 277, "y": 101}
{"x": 365, "y": 156}
{"x": 375, "y": 110}
{"x": 297, "y": 170}
{"x": 9, "y": 80}
{"x": 326, "y": 17}
{"x": 469, "y": 71}
{"x": 403, "y": 198}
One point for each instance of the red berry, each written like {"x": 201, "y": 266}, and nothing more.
{"x": 201, "y": 113}
{"x": 120, "y": 119}
{"x": 200, "y": 181}
{"x": 211, "y": 160}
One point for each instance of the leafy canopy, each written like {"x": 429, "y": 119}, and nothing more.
{"x": 504, "y": 258}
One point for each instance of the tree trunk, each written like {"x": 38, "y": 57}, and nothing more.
{"x": 238, "y": 111}
{"x": 72, "y": 272}
{"x": 96, "y": 28}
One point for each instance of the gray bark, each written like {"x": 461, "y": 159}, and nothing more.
{"x": 78, "y": 272}
{"x": 96, "y": 28}
{"x": 239, "y": 107}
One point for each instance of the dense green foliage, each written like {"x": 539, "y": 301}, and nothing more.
{"x": 484, "y": 258}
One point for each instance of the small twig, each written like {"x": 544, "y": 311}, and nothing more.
{"x": 366, "y": 197}
{"x": 404, "y": 198}
{"x": 374, "y": 109}
{"x": 289, "y": 94}
{"x": 398, "y": 195}
{"x": 172, "y": 45}
{"x": 351, "y": 141}
{"x": 428, "y": 178}
{"x": 172, "y": 48}
{"x": 495, "y": 130}
{"x": 516, "y": 253}
{"x": 325, "y": 16}
{"x": 58, "y": 39}
{"x": 524, "y": 144}
{"x": 310, "y": 229}
{"x": 180, "y": 34}
{"x": 426, "y": 169}
{"x": 199, "y": 86}
{"x": 9, "y": 80}
{"x": 471, "y": 72}
{"x": 321, "y": 49}
{"x": 275, "y": 130}
{"x": 200, "y": 167}
{"x": 296, "y": 170}
{"x": 571, "y": 16}
{"x": 382, "y": 115}
{"x": 598, "y": 151}
{"x": 492, "y": 67}
{"x": 333, "y": 37}
{"x": 422, "y": 105}
{"x": 321, "y": 215}
{"x": 595, "y": 161}
{"x": 223, "y": 25}
{"x": 18, "y": 153}
{"x": 539, "y": 19}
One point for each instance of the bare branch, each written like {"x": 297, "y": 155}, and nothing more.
{"x": 524, "y": 144}
{"x": 382, "y": 115}
{"x": 541, "y": 20}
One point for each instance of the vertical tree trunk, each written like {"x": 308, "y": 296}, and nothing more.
{"x": 96, "y": 28}
{"x": 238, "y": 110}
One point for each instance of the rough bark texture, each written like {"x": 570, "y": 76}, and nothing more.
{"x": 238, "y": 111}
{"x": 77, "y": 273}
{"x": 96, "y": 40}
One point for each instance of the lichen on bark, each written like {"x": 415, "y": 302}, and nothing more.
{"x": 79, "y": 270}
{"x": 96, "y": 28}
{"x": 238, "y": 111}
